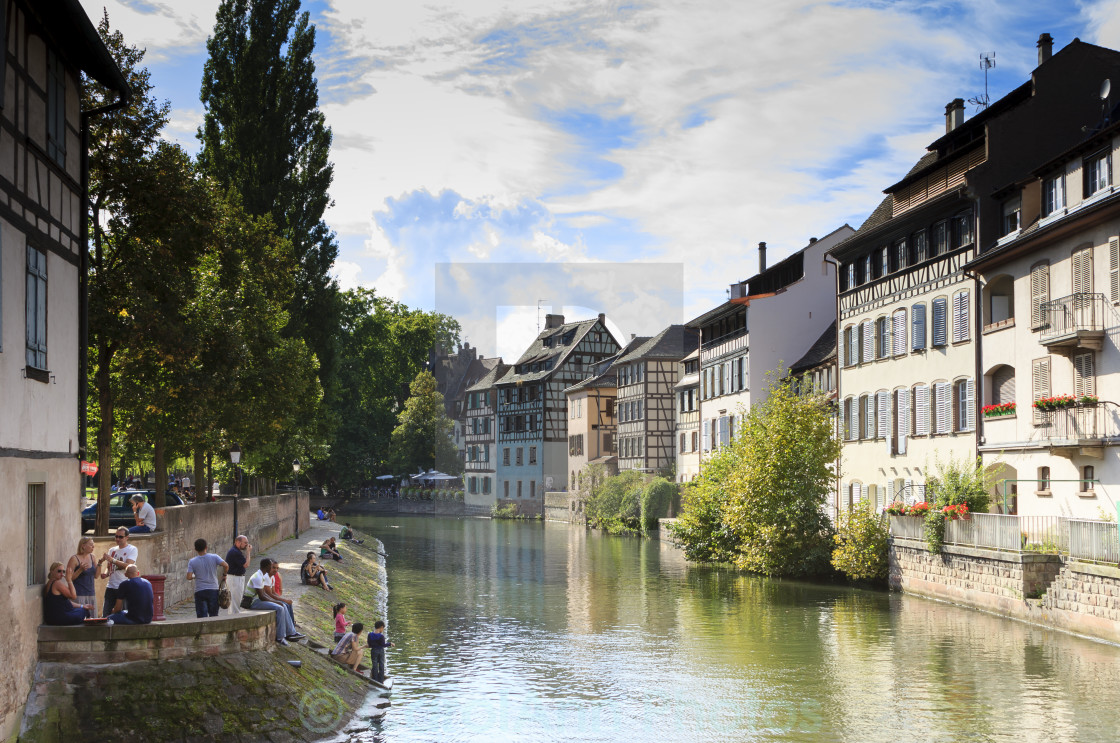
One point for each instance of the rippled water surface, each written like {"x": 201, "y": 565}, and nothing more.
{"x": 514, "y": 631}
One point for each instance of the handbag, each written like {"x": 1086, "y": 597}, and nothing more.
{"x": 246, "y": 602}
{"x": 225, "y": 597}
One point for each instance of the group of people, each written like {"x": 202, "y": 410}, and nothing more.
{"x": 69, "y": 597}
{"x": 348, "y": 644}
{"x": 327, "y": 514}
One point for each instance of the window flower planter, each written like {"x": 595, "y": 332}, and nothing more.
{"x": 998, "y": 411}
{"x": 1059, "y": 402}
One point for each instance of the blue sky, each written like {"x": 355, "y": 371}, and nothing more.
{"x": 662, "y": 139}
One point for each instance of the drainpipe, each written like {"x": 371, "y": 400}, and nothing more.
{"x": 839, "y": 397}
{"x": 83, "y": 272}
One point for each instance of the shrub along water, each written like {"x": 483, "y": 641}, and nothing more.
{"x": 629, "y": 503}
{"x": 861, "y": 544}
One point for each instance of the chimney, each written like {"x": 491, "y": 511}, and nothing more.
{"x": 553, "y": 321}
{"x": 812, "y": 240}
{"x": 603, "y": 319}
{"x": 1045, "y": 47}
{"x": 761, "y": 257}
{"x": 954, "y": 114}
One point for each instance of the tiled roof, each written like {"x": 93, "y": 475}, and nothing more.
{"x": 487, "y": 381}
{"x": 674, "y": 342}
{"x": 538, "y": 352}
{"x": 824, "y": 349}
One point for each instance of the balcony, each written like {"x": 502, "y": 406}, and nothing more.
{"x": 1074, "y": 322}
{"x": 1078, "y": 426}
{"x": 728, "y": 344}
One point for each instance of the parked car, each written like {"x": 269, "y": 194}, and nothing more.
{"x": 120, "y": 509}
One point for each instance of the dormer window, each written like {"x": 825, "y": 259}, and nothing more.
{"x": 961, "y": 226}
{"x": 868, "y": 269}
{"x": 919, "y": 247}
{"x": 1053, "y": 195}
{"x": 884, "y": 261}
{"x": 939, "y": 239}
{"x": 852, "y": 275}
{"x": 899, "y": 257}
{"x": 1098, "y": 172}
{"x": 1011, "y": 221}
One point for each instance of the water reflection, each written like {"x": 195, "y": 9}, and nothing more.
{"x": 518, "y": 631}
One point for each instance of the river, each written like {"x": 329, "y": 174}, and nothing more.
{"x": 518, "y": 631}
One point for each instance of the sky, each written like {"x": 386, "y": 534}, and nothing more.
{"x": 499, "y": 160}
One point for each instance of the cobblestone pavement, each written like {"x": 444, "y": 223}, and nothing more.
{"x": 291, "y": 553}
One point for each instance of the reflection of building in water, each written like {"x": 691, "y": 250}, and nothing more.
{"x": 571, "y": 542}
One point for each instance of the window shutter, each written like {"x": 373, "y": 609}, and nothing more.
{"x": 1083, "y": 381}
{"x": 969, "y": 405}
{"x": 1114, "y": 268}
{"x": 921, "y": 410}
{"x": 918, "y": 327}
{"x": 884, "y": 331}
{"x": 1003, "y": 385}
{"x": 1083, "y": 271}
{"x": 842, "y": 348}
{"x": 843, "y": 419}
{"x": 705, "y": 437}
{"x": 899, "y": 333}
{"x": 940, "y": 309}
{"x": 941, "y": 403}
{"x": 890, "y": 492}
{"x": 903, "y": 429}
{"x": 1040, "y": 383}
{"x": 853, "y": 418}
{"x": 960, "y": 317}
{"x": 853, "y": 345}
{"x": 868, "y": 342}
{"x": 1040, "y": 293}
{"x": 883, "y": 403}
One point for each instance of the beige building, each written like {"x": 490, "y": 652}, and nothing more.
{"x": 687, "y": 418}
{"x": 592, "y": 424}
{"x": 1051, "y": 290}
{"x": 42, "y": 259}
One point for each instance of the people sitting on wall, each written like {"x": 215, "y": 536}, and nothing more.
{"x": 330, "y": 550}
{"x": 60, "y": 606}
{"x": 259, "y": 597}
{"x": 321, "y": 515}
{"x": 348, "y": 651}
{"x": 83, "y": 569}
{"x": 278, "y": 590}
{"x": 145, "y": 515}
{"x": 331, "y": 514}
{"x": 136, "y": 592}
{"x": 311, "y": 573}
{"x": 116, "y": 560}
{"x": 348, "y": 534}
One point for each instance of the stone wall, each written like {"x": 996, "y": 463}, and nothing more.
{"x": 1051, "y": 590}
{"x": 266, "y": 520}
{"x": 565, "y": 506}
{"x": 405, "y": 506}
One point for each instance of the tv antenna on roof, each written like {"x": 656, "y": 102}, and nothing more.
{"x": 987, "y": 62}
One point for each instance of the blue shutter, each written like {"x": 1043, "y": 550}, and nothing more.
{"x": 918, "y": 327}
{"x": 940, "y": 319}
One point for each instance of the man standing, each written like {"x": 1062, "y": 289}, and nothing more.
{"x": 145, "y": 515}
{"x": 237, "y": 558}
{"x": 137, "y": 592}
{"x": 116, "y": 560}
{"x": 259, "y": 591}
{"x": 203, "y": 568}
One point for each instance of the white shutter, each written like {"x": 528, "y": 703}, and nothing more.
{"x": 918, "y": 327}
{"x": 1040, "y": 293}
{"x": 1114, "y": 268}
{"x": 868, "y": 431}
{"x": 884, "y": 331}
{"x": 884, "y": 409}
{"x": 903, "y": 403}
{"x": 1083, "y": 382}
{"x": 1083, "y": 271}
{"x": 969, "y": 405}
{"x": 842, "y": 348}
{"x": 868, "y": 341}
{"x": 941, "y": 407}
{"x": 843, "y": 420}
{"x": 940, "y": 309}
{"x": 921, "y": 410}
{"x": 1040, "y": 383}
{"x": 960, "y": 317}
{"x": 706, "y": 437}
{"x": 899, "y": 333}
{"x": 857, "y": 492}
{"x": 890, "y": 492}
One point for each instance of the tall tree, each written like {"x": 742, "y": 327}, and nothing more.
{"x": 422, "y": 439}
{"x": 264, "y": 135}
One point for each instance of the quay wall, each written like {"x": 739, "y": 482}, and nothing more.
{"x": 265, "y": 520}
{"x": 1050, "y": 590}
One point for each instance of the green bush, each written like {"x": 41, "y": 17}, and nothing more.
{"x": 700, "y": 529}
{"x": 656, "y": 497}
{"x": 860, "y": 550}
{"x": 955, "y": 482}
{"x": 615, "y": 503}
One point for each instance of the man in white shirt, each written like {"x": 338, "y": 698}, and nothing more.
{"x": 145, "y": 515}
{"x": 116, "y": 560}
{"x": 259, "y": 588}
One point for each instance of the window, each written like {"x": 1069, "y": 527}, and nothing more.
{"x": 1084, "y": 383}
{"x": 639, "y": 409}
{"x": 1053, "y": 195}
{"x": 868, "y": 350}
{"x": 869, "y": 417}
{"x": 963, "y": 404}
{"x": 1003, "y": 385}
{"x": 532, "y": 488}
{"x": 884, "y": 261}
{"x": 1082, "y": 269}
{"x": 899, "y": 255}
{"x": 36, "y": 534}
{"x": 695, "y": 438}
{"x": 918, "y": 327}
{"x": 961, "y": 226}
{"x": 1011, "y": 221}
{"x": 940, "y": 331}
{"x": 519, "y": 456}
{"x": 883, "y": 411}
{"x": 939, "y": 239}
{"x": 901, "y": 420}
{"x": 505, "y": 457}
{"x": 868, "y": 268}
{"x": 1040, "y": 293}
{"x": 898, "y": 335}
{"x": 919, "y": 247}
{"x": 1088, "y": 477}
{"x": 608, "y": 443}
{"x": 1114, "y": 268}
{"x": 1098, "y": 173}
{"x": 852, "y": 283}
{"x": 1044, "y": 479}
{"x": 1040, "y": 384}
{"x": 683, "y": 449}
{"x": 486, "y": 485}
{"x": 533, "y": 452}
{"x": 921, "y": 410}
{"x": 883, "y": 331}
{"x": 960, "y": 317}
{"x": 575, "y": 445}
{"x": 518, "y": 488}
{"x": 852, "y": 357}
{"x": 36, "y": 308}
{"x": 941, "y": 409}
{"x": 56, "y": 109}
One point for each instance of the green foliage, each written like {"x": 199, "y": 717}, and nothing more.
{"x": 656, "y": 497}
{"x": 509, "y": 511}
{"x": 423, "y": 434}
{"x": 860, "y": 550}
{"x": 955, "y": 482}
{"x": 615, "y": 503}
{"x": 759, "y": 502}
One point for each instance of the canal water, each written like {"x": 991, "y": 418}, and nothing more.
{"x": 522, "y": 631}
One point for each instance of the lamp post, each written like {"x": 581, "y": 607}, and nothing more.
{"x": 295, "y": 468}
{"x": 235, "y": 459}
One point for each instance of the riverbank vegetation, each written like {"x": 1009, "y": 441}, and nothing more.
{"x": 759, "y": 501}
{"x": 860, "y": 544}
{"x": 627, "y": 503}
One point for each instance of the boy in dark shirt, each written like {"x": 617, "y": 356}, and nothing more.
{"x": 377, "y": 643}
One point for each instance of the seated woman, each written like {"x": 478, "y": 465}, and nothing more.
{"x": 348, "y": 651}
{"x": 59, "y": 607}
{"x": 329, "y": 550}
{"x": 313, "y": 574}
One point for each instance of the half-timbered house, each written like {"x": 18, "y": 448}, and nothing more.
{"x": 532, "y": 408}
{"x": 907, "y": 306}
{"x": 647, "y": 373}
{"x": 47, "y": 47}
{"x": 592, "y": 423}
{"x": 478, "y": 428}
{"x": 687, "y": 417}
{"x": 765, "y": 325}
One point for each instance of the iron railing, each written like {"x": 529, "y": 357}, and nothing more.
{"x": 1097, "y": 541}
{"x": 1064, "y": 318}
{"x": 908, "y": 527}
{"x": 986, "y": 530}
{"x": 1075, "y": 423}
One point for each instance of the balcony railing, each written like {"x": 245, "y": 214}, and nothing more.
{"x": 1079, "y": 424}
{"x": 725, "y": 345}
{"x": 1076, "y": 321}
{"x": 1097, "y": 541}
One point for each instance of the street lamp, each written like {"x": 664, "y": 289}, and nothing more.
{"x": 235, "y": 458}
{"x": 295, "y": 468}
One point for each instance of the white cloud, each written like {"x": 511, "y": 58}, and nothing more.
{"x": 165, "y": 29}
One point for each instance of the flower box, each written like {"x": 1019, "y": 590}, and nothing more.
{"x": 955, "y": 511}
{"x": 1059, "y": 402}
{"x": 998, "y": 411}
